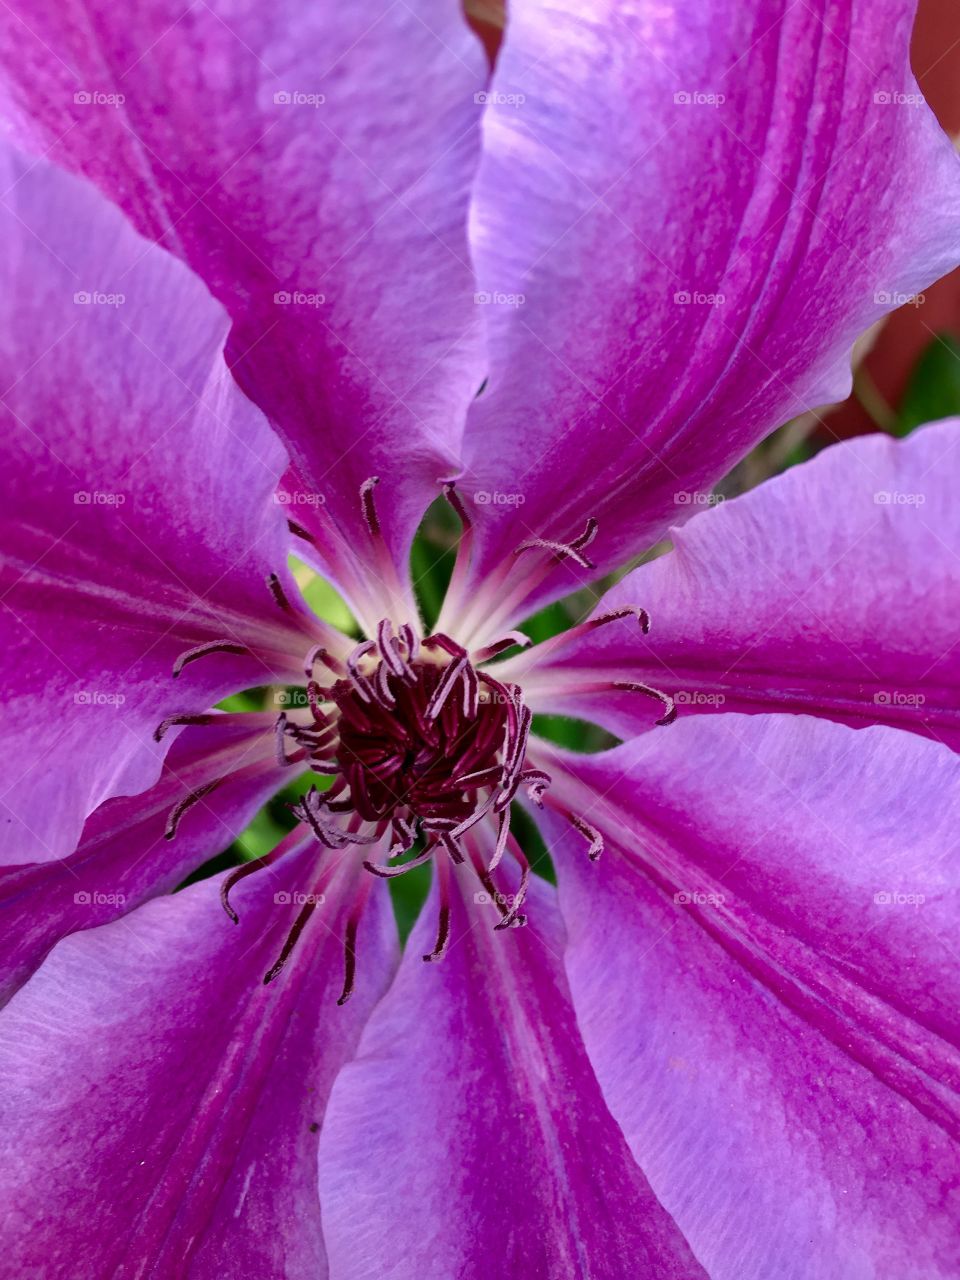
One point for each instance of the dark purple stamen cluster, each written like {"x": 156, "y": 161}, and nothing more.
{"x": 421, "y": 743}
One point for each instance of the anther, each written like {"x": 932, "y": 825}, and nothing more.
{"x": 369, "y": 506}
{"x": 635, "y": 686}
{"x": 588, "y": 833}
{"x": 169, "y": 723}
{"x": 278, "y": 593}
{"x": 565, "y": 550}
{"x": 349, "y": 962}
{"x": 443, "y": 936}
{"x": 202, "y": 651}
{"x": 299, "y": 531}
{"x": 513, "y": 639}
{"x": 177, "y": 812}
{"x": 292, "y": 939}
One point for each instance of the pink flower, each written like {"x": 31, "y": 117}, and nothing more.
{"x": 568, "y": 296}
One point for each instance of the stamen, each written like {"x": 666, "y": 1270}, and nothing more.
{"x": 300, "y": 532}
{"x": 360, "y": 682}
{"x": 443, "y": 936}
{"x": 321, "y": 654}
{"x": 202, "y": 650}
{"x": 369, "y": 506}
{"x": 588, "y": 833}
{"x": 293, "y": 938}
{"x": 565, "y": 550}
{"x": 511, "y": 640}
{"x": 391, "y": 873}
{"x": 445, "y": 687}
{"x": 409, "y": 638}
{"x": 314, "y": 809}
{"x": 349, "y": 962}
{"x": 235, "y": 877}
{"x": 537, "y": 782}
{"x": 514, "y": 915}
{"x": 635, "y": 686}
{"x": 169, "y": 723}
{"x": 278, "y": 593}
{"x": 283, "y": 729}
{"x": 178, "y": 810}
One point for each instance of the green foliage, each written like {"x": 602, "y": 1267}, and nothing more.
{"x": 933, "y": 391}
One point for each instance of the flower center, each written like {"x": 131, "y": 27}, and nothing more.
{"x": 420, "y": 742}
{"x": 424, "y": 746}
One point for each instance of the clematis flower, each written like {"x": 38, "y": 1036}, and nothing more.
{"x": 566, "y": 296}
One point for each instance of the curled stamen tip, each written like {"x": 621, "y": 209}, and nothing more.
{"x": 202, "y": 650}
{"x": 342, "y": 1000}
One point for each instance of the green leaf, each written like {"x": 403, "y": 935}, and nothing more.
{"x": 933, "y": 391}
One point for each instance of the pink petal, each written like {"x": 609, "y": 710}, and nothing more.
{"x": 468, "y": 1138}
{"x": 316, "y": 153}
{"x": 138, "y": 518}
{"x": 763, "y": 969}
{"x": 614, "y": 185}
{"x": 124, "y": 856}
{"x": 160, "y": 1104}
{"x": 830, "y": 590}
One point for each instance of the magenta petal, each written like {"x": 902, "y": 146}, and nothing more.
{"x": 763, "y": 968}
{"x": 469, "y": 1138}
{"x": 684, "y": 217}
{"x": 830, "y": 590}
{"x": 160, "y": 1105}
{"x": 312, "y": 164}
{"x": 124, "y": 856}
{"x": 138, "y": 518}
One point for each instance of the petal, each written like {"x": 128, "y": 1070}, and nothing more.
{"x": 312, "y": 164}
{"x": 160, "y": 1103}
{"x": 469, "y": 1138}
{"x": 138, "y": 519}
{"x": 124, "y": 856}
{"x": 642, "y": 162}
{"x": 830, "y": 590}
{"x": 763, "y": 965}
